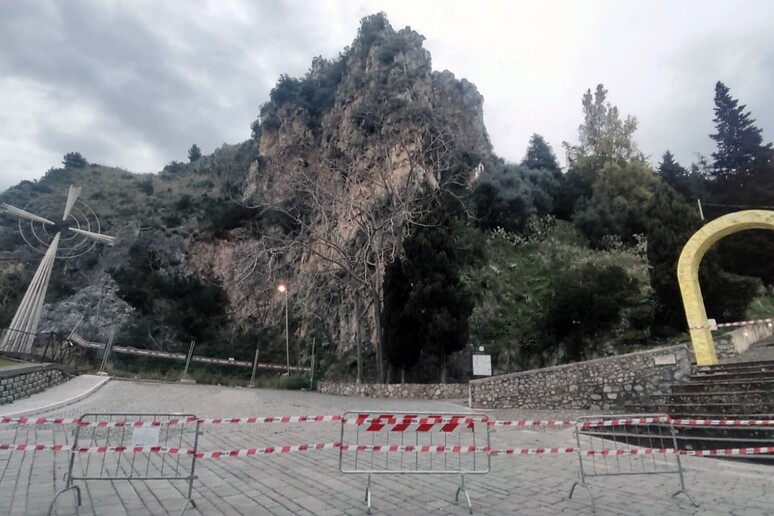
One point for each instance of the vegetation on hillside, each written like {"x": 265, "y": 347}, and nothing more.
{"x": 538, "y": 265}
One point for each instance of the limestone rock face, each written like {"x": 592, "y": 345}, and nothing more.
{"x": 362, "y": 136}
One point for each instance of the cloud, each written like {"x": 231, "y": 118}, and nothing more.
{"x": 134, "y": 84}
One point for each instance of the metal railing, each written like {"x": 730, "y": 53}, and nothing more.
{"x": 146, "y": 446}
{"x": 640, "y": 444}
{"x": 378, "y": 443}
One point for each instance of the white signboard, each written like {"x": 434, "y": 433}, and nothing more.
{"x": 146, "y": 436}
{"x": 665, "y": 359}
{"x": 482, "y": 365}
{"x": 712, "y": 324}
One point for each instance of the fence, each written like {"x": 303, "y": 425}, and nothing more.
{"x": 375, "y": 443}
{"x": 118, "y": 447}
{"x": 626, "y": 445}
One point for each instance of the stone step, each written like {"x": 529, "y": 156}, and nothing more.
{"x": 722, "y": 386}
{"x": 730, "y": 397}
{"x": 767, "y": 365}
{"x": 731, "y": 376}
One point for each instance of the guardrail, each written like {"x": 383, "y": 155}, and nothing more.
{"x": 378, "y": 443}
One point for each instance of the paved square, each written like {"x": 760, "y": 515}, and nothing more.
{"x": 310, "y": 482}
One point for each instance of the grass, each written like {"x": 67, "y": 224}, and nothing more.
{"x": 6, "y": 363}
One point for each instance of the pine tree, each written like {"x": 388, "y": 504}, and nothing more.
{"x": 402, "y": 343}
{"x": 740, "y": 150}
{"x": 439, "y": 301}
{"x": 540, "y": 156}
{"x": 194, "y": 153}
{"x": 687, "y": 183}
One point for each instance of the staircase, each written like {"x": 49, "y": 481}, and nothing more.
{"x": 732, "y": 390}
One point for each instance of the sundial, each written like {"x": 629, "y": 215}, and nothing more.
{"x": 75, "y": 234}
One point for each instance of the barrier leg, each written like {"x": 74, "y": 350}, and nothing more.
{"x": 588, "y": 489}
{"x": 77, "y": 497}
{"x": 465, "y": 492}
{"x": 368, "y": 494}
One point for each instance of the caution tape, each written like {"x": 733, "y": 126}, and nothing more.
{"x": 270, "y": 450}
{"x": 745, "y": 323}
{"x": 269, "y": 420}
{"x": 533, "y": 451}
{"x": 388, "y": 448}
{"x": 38, "y": 421}
{"x": 35, "y": 447}
{"x": 625, "y": 421}
{"x": 528, "y": 423}
{"x": 722, "y": 422}
{"x": 728, "y": 452}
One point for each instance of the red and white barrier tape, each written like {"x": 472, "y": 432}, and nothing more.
{"x": 728, "y": 452}
{"x": 625, "y": 421}
{"x": 533, "y": 451}
{"x": 722, "y": 422}
{"x": 526, "y": 424}
{"x": 38, "y": 421}
{"x": 387, "y": 448}
{"x": 266, "y": 451}
{"x": 745, "y": 323}
{"x": 35, "y": 447}
{"x": 269, "y": 420}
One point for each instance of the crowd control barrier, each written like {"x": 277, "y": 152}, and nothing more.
{"x": 376, "y": 443}
{"x": 626, "y": 445}
{"x": 119, "y": 447}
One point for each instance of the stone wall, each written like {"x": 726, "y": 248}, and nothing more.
{"x": 612, "y": 383}
{"x": 740, "y": 340}
{"x": 17, "y": 382}
{"x": 429, "y": 391}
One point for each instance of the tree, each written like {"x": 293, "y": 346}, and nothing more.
{"x": 604, "y": 138}
{"x": 618, "y": 203}
{"x": 194, "y": 153}
{"x": 670, "y": 224}
{"x": 740, "y": 150}
{"x": 586, "y": 303}
{"x": 74, "y": 160}
{"x": 402, "y": 342}
{"x": 507, "y": 196}
{"x": 440, "y": 303}
{"x": 540, "y": 156}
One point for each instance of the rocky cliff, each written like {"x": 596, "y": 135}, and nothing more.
{"x": 342, "y": 161}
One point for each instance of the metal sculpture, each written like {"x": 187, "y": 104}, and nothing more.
{"x": 81, "y": 231}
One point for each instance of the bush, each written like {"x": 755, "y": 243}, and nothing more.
{"x": 74, "y": 160}
{"x": 294, "y": 382}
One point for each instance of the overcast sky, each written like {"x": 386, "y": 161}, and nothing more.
{"x": 134, "y": 83}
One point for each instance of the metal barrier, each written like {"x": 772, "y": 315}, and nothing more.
{"x": 409, "y": 443}
{"x": 145, "y": 446}
{"x": 626, "y": 445}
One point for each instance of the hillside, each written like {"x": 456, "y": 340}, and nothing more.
{"x": 370, "y": 189}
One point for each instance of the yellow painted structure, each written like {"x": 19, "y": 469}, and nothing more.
{"x": 688, "y": 273}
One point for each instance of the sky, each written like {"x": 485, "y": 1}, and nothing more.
{"x": 135, "y": 84}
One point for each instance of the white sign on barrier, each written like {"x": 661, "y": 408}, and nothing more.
{"x": 482, "y": 365}
{"x": 712, "y": 324}
{"x": 146, "y": 436}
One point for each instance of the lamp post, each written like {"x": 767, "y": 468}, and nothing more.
{"x": 282, "y": 288}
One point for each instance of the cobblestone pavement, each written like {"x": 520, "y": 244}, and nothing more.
{"x": 310, "y": 482}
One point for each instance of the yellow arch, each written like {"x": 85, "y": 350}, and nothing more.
{"x": 688, "y": 273}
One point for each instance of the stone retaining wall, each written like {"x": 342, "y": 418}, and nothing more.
{"x": 738, "y": 341}
{"x": 429, "y": 391}
{"x": 17, "y": 382}
{"x": 618, "y": 382}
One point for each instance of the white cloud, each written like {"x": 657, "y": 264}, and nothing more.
{"x": 135, "y": 84}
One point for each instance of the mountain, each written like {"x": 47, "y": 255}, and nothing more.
{"x": 341, "y": 163}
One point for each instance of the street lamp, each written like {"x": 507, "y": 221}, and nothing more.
{"x": 282, "y": 288}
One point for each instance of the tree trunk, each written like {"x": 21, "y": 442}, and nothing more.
{"x": 443, "y": 369}
{"x": 358, "y": 345}
{"x": 403, "y": 375}
{"x": 379, "y": 335}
